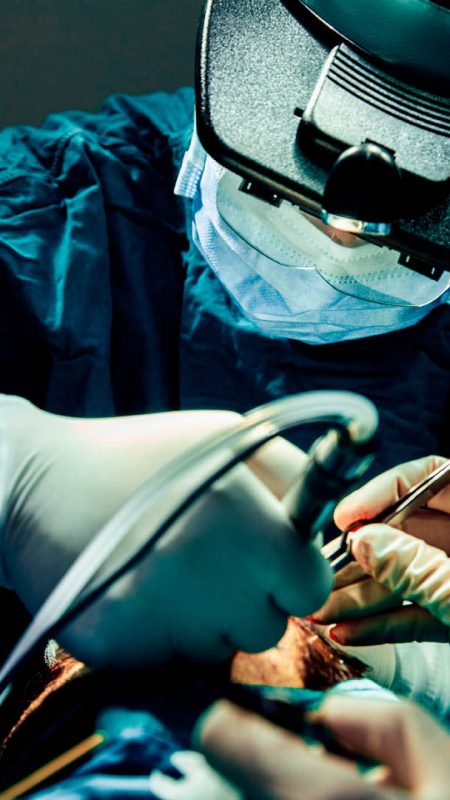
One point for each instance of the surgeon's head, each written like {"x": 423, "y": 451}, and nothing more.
{"x": 320, "y": 170}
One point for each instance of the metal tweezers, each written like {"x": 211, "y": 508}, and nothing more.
{"x": 338, "y": 552}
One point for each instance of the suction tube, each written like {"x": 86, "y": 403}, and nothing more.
{"x": 170, "y": 492}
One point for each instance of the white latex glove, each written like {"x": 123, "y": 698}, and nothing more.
{"x": 225, "y": 577}
{"x": 410, "y": 564}
{"x": 269, "y": 763}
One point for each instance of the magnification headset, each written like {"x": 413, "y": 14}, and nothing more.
{"x": 341, "y": 107}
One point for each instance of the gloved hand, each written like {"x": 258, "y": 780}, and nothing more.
{"x": 225, "y": 577}
{"x": 409, "y": 564}
{"x": 269, "y": 763}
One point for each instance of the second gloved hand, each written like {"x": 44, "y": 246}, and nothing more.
{"x": 225, "y": 576}
{"x": 393, "y": 566}
{"x": 270, "y": 763}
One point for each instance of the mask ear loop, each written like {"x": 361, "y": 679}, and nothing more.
{"x": 192, "y": 168}
{"x": 185, "y": 478}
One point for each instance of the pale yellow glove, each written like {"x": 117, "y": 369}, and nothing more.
{"x": 393, "y": 566}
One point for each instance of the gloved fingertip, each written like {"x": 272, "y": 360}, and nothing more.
{"x": 205, "y": 722}
{"x": 346, "y": 637}
{"x": 335, "y": 634}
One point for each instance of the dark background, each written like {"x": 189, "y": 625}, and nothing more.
{"x": 61, "y": 54}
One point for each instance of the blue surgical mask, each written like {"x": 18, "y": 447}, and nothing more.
{"x": 289, "y": 278}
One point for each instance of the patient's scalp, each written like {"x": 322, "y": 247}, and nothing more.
{"x": 302, "y": 659}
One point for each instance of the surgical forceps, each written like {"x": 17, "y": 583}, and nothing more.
{"x": 338, "y": 552}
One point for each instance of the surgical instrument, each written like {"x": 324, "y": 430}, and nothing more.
{"x": 338, "y": 552}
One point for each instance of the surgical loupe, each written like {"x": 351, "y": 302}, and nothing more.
{"x": 340, "y": 107}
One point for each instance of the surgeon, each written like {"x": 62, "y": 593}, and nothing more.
{"x": 121, "y": 298}
{"x": 318, "y": 125}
